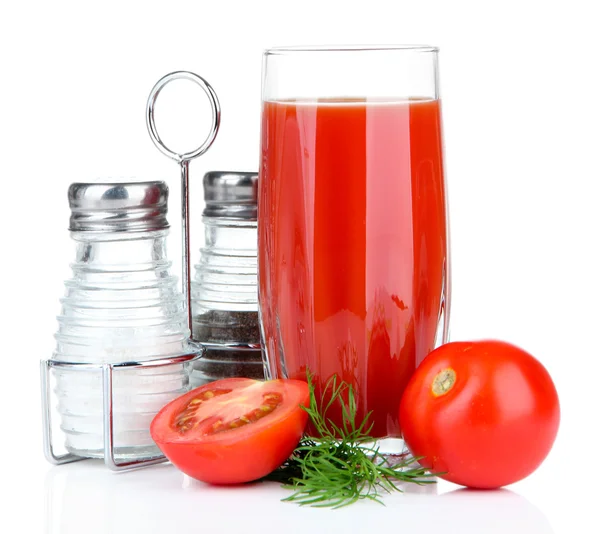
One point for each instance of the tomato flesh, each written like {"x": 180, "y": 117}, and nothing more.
{"x": 233, "y": 430}
{"x": 485, "y": 413}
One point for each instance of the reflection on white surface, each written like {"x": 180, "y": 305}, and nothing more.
{"x": 86, "y": 497}
{"x": 498, "y": 511}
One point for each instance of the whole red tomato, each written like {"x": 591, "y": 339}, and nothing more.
{"x": 233, "y": 430}
{"x": 485, "y": 413}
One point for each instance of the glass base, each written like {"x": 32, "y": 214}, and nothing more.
{"x": 390, "y": 447}
{"x": 393, "y": 450}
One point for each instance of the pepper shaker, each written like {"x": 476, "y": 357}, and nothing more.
{"x": 225, "y": 290}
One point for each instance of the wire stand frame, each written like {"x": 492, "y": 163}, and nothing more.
{"x": 107, "y": 370}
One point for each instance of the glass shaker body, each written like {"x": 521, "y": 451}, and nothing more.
{"x": 224, "y": 289}
{"x": 121, "y": 305}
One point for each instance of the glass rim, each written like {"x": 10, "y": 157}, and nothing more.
{"x": 283, "y": 50}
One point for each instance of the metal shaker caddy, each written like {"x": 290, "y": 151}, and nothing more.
{"x": 128, "y": 340}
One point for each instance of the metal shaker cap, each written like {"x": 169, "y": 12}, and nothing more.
{"x": 231, "y": 195}
{"x": 118, "y": 207}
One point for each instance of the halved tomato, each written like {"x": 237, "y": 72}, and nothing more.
{"x": 233, "y": 430}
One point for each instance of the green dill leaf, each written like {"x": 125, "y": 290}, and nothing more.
{"x": 342, "y": 463}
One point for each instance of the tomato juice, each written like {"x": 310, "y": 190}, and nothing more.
{"x": 352, "y": 244}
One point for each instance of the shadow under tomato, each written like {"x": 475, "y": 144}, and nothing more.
{"x": 189, "y": 482}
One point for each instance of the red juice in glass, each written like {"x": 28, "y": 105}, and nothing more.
{"x": 352, "y": 241}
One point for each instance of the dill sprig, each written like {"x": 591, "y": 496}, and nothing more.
{"x": 341, "y": 464}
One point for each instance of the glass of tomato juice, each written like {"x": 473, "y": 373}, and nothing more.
{"x": 352, "y": 220}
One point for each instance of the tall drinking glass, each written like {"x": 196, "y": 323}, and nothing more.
{"x": 352, "y": 224}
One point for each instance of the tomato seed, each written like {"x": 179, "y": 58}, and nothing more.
{"x": 186, "y": 419}
{"x": 181, "y": 419}
{"x": 217, "y": 425}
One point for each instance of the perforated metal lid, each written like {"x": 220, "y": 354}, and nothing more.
{"x": 118, "y": 207}
{"x": 231, "y": 195}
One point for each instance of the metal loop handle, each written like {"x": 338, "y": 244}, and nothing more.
{"x": 184, "y": 163}
{"x": 214, "y": 105}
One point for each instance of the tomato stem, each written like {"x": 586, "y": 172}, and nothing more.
{"x": 443, "y": 382}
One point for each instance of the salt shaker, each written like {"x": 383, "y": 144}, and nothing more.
{"x": 121, "y": 305}
{"x": 224, "y": 290}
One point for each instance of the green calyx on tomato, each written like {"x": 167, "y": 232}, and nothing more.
{"x": 233, "y": 430}
{"x": 483, "y": 413}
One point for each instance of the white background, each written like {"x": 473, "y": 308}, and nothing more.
{"x": 520, "y": 86}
